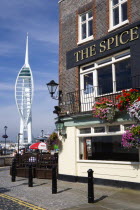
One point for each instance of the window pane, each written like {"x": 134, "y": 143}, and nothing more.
{"x": 114, "y": 2}
{"x": 83, "y": 17}
{"x": 90, "y": 28}
{"x": 90, "y": 14}
{"x": 105, "y": 80}
{"x": 124, "y": 11}
{"x": 123, "y": 75}
{"x": 116, "y": 16}
{"x": 83, "y": 31}
{"x": 114, "y": 128}
{"x": 110, "y": 148}
{"x": 88, "y": 67}
{"x": 85, "y": 130}
{"x": 99, "y": 129}
{"x": 88, "y": 82}
{"x": 106, "y": 148}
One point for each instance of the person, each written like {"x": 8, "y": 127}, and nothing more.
{"x": 14, "y": 153}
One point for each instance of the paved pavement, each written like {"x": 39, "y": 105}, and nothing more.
{"x": 72, "y": 196}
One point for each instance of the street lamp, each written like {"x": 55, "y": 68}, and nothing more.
{"x": 60, "y": 128}
{"x": 5, "y": 137}
{"x": 52, "y": 86}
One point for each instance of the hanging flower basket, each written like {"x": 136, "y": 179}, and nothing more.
{"x": 131, "y": 137}
{"x": 127, "y": 98}
{"x": 104, "y": 109}
{"x": 134, "y": 110}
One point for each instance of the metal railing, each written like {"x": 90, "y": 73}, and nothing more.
{"x": 82, "y": 101}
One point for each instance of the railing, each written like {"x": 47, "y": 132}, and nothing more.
{"x": 82, "y": 101}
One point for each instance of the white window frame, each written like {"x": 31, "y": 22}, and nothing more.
{"x": 106, "y": 133}
{"x": 111, "y": 7}
{"x": 80, "y": 22}
{"x": 97, "y": 66}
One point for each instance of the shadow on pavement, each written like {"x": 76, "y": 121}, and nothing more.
{"x": 101, "y": 198}
{"x": 64, "y": 190}
{"x": 3, "y": 190}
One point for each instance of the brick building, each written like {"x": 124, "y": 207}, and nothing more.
{"x": 99, "y": 56}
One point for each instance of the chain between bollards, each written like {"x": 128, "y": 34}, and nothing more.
{"x": 30, "y": 177}
{"x": 54, "y": 180}
{"x": 90, "y": 186}
{"x": 13, "y": 170}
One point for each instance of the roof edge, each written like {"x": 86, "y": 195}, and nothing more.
{"x": 60, "y": 1}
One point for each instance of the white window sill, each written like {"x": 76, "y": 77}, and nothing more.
{"x": 85, "y": 40}
{"x": 118, "y": 26}
{"x": 109, "y": 162}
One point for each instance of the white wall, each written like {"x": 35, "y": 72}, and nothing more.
{"x": 67, "y": 156}
{"x": 114, "y": 170}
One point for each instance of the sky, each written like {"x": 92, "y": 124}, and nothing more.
{"x": 40, "y": 19}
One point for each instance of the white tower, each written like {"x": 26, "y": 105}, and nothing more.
{"x": 24, "y": 95}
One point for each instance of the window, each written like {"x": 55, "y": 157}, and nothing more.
{"x": 108, "y": 75}
{"x": 118, "y": 13}
{"x": 85, "y": 130}
{"x": 86, "y": 26}
{"x": 105, "y": 148}
{"x": 88, "y": 83}
{"x": 114, "y": 128}
{"x": 105, "y": 80}
{"x": 99, "y": 129}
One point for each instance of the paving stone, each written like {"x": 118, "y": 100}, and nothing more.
{"x": 69, "y": 195}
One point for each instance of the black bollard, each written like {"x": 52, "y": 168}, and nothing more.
{"x": 13, "y": 170}
{"x": 90, "y": 186}
{"x": 30, "y": 177}
{"x": 54, "y": 180}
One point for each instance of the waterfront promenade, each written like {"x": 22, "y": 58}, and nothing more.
{"x": 17, "y": 195}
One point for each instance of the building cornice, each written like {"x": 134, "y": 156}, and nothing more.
{"x": 60, "y": 1}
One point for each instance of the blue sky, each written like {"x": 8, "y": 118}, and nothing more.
{"x": 40, "y": 19}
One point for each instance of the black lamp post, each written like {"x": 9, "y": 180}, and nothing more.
{"x": 42, "y": 132}
{"x": 18, "y": 140}
{"x": 5, "y": 137}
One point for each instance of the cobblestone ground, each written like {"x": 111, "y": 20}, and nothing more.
{"x": 17, "y": 195}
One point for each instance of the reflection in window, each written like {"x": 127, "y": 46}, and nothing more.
{"x": 114, "y": 128}
{"x": 123, "y": 75}
{"x": 115, "y": 16}
{"x": 105, "y": 80}
{"x": 85, "y": 130}
{"x": 99, "y": 129}
{"x": 88, "y": 83}
{"x": 106, "y": 148}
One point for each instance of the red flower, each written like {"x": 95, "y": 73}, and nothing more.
{"x": 128, "y": 94}
{"x": 138, "y": 99}
{"x": 117, "y": 97}
{"x": 123, "y": 91}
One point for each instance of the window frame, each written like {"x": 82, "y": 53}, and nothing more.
{"x": 80, "y": 23}
{"x": 106, "y": 133}
{"x": 112, "y": 60}
{"x": 121, "y": 23}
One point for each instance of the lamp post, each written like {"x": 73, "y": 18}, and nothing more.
{"x": 5, "y": 137}
{"x": 42, "y": 132}
{"x": 18, "y": 140}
